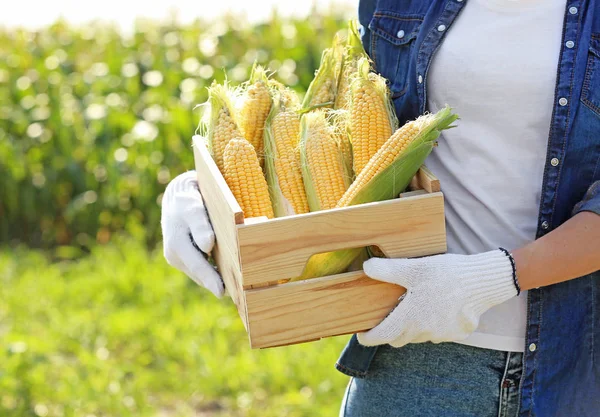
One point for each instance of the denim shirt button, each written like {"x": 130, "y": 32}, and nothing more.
{"x": 554, "y": 162}
{"x": 545, "y": 225}
{"x": 400, "y": 34}
{"x": 573, "y": 10}
{"x": 361, "y": 30}
{"x": 441, "y": 28}
{"x": 532, "y": 347}
{"x": 420, "y": 79}
{"x": 563, "y": 101}
{"x": 570, "y": 44}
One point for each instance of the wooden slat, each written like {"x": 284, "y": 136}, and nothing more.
{"x": 403, "y": 227}
{"x": 224, "y": 213}
{"x": 232, "y": 278}
{"x": 425, "y": 180}
{"x": 223, "y": 210}
{"x": 308, "y": 310}
{"x": 255, "y": 220}
{"x": 412, "y": 193}
{"x": 428, "y": 180}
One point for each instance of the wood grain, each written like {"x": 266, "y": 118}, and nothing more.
{"x": 403, "y": 227}
{"x": 308, "y": 310}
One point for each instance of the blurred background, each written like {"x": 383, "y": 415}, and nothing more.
{"x": 97, "y": 108}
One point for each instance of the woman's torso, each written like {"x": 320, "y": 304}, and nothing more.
{"x": 497, "y": 68}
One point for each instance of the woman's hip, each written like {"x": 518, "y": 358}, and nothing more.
{"x": 436, "y": 380}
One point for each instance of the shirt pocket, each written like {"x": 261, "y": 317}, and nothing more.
{"x": 590, "y": 95}
{"x": 392, "y": 43}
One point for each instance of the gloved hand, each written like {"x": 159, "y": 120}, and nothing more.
{"x": 188, "y": 236}
{"x": 445, "y": 297}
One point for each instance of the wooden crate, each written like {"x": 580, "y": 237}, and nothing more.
{"x": 254, "y": 254}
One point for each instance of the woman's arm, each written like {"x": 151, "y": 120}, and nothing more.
{"x": 570, "y": 251}
{"x": 447, "y": 294}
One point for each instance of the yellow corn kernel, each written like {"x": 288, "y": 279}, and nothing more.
{"x": 325, "y": 180}
{"x": 225, "y": 130}
{"x": 372, "y": 117}
{"x": 285, "y": 127}
{"x": 245, "y": 178}
{"x": 221, "y": 126}
{"x": 255, "y": 110}
{"x": 369, "y": 122}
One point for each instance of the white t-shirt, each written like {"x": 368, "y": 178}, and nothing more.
{"x": 497, "y": 68}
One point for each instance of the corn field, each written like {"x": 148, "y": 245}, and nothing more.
{"x": 94, "y": 122}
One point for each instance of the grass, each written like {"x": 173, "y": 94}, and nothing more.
{"x": 120, "y": 333}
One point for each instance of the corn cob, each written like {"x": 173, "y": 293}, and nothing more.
{"x": 322, "y": 89}
{"x": 325, "y": 180}
{"x": 372, "y": 118}
{"x": 282, "y": 157}
{"x": 220, "y": 126}
{"x": 387, "y": 174}
{"x": 352, "y": 53}
{"x": 255, "y": 109}
{"x": 384, "y": 157}
{"x": 245, "y": 178}
{"x": 342, "y": 99}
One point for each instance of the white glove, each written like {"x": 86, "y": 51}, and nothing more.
{"x": 446, "y": 295}
{"x": 188, "y": 236}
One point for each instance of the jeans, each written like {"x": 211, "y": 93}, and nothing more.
{"x": 436, "y": 380}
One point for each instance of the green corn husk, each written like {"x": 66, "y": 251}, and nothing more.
{"x": 386, "y": 185}
{"x": 283, "y": 101}
{"x": 329, "y": 263}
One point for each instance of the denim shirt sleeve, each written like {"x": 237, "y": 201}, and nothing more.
{"x": 356, "y": 359}
{"x": 591, "y": 200}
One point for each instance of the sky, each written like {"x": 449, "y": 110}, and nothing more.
{"x": 37, "y": 13}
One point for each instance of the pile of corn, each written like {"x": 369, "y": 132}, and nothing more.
{"x": 341, "y": 146}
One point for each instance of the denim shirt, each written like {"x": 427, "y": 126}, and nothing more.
{"x": 561, "y": 375}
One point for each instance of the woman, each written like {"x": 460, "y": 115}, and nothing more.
{"x": 513, "y": 308}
